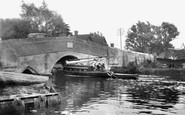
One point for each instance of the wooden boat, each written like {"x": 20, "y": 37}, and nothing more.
{"x": 20, "y": 78}
{"x": 126, "y": 76}
{"x": 83, "y": 71}
{"x": 90, "y": 72}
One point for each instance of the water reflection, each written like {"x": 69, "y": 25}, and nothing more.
{"x": 97, "y": 96}
{"x": 154, "y": 95}
{"x": 85, "y": 95}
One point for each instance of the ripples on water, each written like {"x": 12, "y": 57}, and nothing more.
{"x": 96, "y": 96}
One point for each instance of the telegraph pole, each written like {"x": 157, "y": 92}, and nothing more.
{"x": 120, "y": 33}
{"x": 120, "y": 38}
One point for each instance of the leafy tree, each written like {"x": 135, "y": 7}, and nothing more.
{"x": 148, "y": 38}
{"x": 44, "y": 20}
{"x": 14, "y": 28}
{"x": 34, "y": 20}
{"x": 138, "y": 37}
{"x": 168, "y": 33}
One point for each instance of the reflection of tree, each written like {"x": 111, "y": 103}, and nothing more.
{"x": 153, "y": 95}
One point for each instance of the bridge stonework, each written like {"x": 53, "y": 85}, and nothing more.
{"x": 43, "y": 53}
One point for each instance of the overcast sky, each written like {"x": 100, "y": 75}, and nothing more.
{"x": 107, "y": 16}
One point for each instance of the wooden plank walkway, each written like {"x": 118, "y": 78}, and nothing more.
{"x": 17, "y": 103}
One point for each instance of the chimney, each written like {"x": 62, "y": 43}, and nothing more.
{"x": 76, "y": 33}
{"x": 112, "y": 45}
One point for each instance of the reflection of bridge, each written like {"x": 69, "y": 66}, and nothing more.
{"x": 42, "y": 54}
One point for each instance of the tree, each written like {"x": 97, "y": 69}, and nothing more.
{"x": 44, "y": 20}
{"x": 34, "y": 20}
{"x": 138, "y": 38}
{"x": 148, "y": 38}
{"x": 168, "y": 33}
{"x": 14, "y": 28}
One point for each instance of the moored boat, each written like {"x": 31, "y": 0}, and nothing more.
{"x": 20, "y": 78}
{"x": 93, "y": 67}
{"x": 126, "y": 76}
{"x": 84, "y": 71}
{"x": 88, "y": 71}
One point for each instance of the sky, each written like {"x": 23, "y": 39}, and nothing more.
{"x": 108, "y": 16}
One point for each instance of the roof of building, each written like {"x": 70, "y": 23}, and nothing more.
{"x": 93, "y": 38}
{"x": 172, "y": 54}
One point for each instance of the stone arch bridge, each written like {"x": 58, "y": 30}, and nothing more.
{"x": 41, "y": 54}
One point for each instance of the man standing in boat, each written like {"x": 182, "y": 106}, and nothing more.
{"x": 98, "y": 65}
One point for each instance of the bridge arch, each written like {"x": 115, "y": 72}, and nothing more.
{"x": 62, "y": 61}
{"x": 60, "y": 58}
{"x": 45, "y": 63}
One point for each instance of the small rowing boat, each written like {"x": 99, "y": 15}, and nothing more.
{"x": 126, "y": 76}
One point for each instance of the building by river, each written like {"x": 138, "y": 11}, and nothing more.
{"x": 173, "y": 58}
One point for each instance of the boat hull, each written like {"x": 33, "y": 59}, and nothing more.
{"x": 102, "y": 74}
{"x": 20, "y": 78}
{"x": 88, "y": 73}
{"x": 126, "y": 76}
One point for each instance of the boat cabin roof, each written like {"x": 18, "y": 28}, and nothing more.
{"x": 77, "y": 67}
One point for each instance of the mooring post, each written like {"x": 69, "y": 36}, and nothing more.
{"x": 36, "y": 103}
{"x": 42, "y": 99}
{"x": 18, "y": 104}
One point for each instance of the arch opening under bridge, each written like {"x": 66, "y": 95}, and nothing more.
{"x": 62, "y": 61}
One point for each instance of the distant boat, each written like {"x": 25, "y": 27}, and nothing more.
{"x": 88, "y": 71}
{"x": 126, "y": 76}
{"x": 20, "y": 78}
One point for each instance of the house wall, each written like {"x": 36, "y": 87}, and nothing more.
{"x": 171, "y": 63}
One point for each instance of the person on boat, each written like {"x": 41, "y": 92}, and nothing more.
{"x": 99, "y": 66}
{"x": 94, "y": 66}
{"x": 102, "y": 66}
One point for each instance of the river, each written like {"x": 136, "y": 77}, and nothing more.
{"x": 98, "y": 96}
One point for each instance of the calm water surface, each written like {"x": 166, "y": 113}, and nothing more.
{"x": 96, "y": 96}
